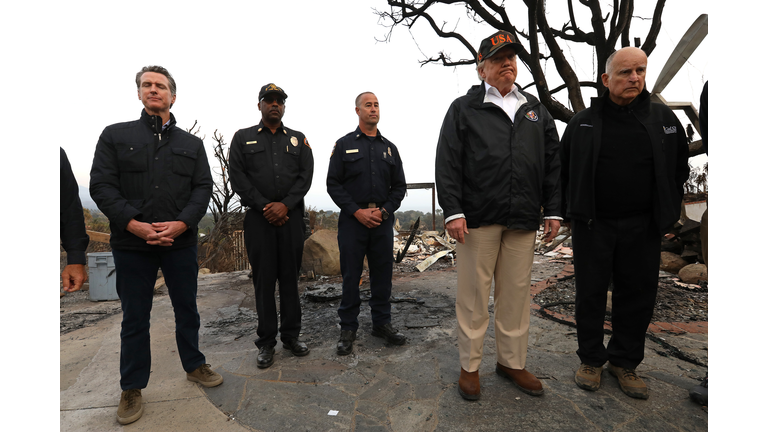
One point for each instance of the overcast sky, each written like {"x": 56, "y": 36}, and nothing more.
{"x": 220, "y": 57}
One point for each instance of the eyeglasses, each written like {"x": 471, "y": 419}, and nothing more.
{"x": 272, "y": 99}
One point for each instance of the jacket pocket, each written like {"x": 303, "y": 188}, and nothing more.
{"x": 184, "y": 161}
{"x": 254, "y": 153}
{"x": 353, "y": 163}
{"x": 132, "y": 157}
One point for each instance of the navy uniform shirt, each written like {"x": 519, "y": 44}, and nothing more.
{"x": 267, "y": 167}
{"x": 365, "y": 169}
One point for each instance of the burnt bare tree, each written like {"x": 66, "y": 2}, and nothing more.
{"x": 604, "y": 30}
{"x": 224, "y": 199}
{"x": 220, "y": 249}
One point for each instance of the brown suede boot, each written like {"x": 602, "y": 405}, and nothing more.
{"x": 469, "y": 385}
{"x": 524, "y": 380}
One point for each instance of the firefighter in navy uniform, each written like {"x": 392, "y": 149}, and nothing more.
{"x": 271, "y": 170}
{"x": 366, "y": 180}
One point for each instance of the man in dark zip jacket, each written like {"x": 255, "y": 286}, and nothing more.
{"x": 153, "y": 182}
{"x": 497, "y": 165}
{"x": 624, "y": 163}
{"x": 74, "y": 239}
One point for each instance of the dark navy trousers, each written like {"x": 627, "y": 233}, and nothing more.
{"x": 355, "y": 243}
{"x": 136, "y": 273}
{"x": 627, "y": 249}
{"x": 275, "y": 256}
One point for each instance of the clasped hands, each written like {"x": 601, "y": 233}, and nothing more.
{"x": 276, "y": 213}
{"x": 370, "y": 217}
{"x": 157, "y": 233}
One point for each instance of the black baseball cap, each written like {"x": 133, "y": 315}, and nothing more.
{"x": 271, "y": 88}
{"x": 493, "y": 43}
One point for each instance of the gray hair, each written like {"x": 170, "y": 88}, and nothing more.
{"x": 609, "y": 63}
{"x": 360, "y": 96}
{"x": 477, "y": 69}
{"x": 160, "y": 70}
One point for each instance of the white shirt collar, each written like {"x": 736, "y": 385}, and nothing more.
{"x": 509, "y": 103}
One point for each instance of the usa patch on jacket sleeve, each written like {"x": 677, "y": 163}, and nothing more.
{"x": 531, "y": 115}
{"x": 670, "y": 129}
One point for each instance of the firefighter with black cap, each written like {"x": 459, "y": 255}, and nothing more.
{"x": 271, "y": 170}
{"x": 367, "y": 182}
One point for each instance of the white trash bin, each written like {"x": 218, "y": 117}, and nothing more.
{"x": 101, "y": 276}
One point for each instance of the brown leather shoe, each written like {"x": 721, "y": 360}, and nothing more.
{"x": 469, "y": 385}
{"x": 523, "y": 379}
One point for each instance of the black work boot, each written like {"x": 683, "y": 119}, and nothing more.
{"x": 389, "y": 333}
{"x": 344, "y": 346}
{"x": 266, "y": 357}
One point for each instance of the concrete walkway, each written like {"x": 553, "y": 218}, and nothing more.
{"x": 378, "y": 387}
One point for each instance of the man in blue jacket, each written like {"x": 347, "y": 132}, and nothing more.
{"x": 496, "y": 168}
{"x": 624, "y": 163}
{"x": 152, "y": 181}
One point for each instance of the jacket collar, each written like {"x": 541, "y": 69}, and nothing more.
{"x": 279, "y": 128}
{"x": 476, "y": 95}
{"x": 359, "y": 133}
{"x": 156, "y": 122}
{"x": 641, "y": 104}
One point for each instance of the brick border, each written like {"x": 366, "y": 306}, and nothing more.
{"x": 675, "y": 328}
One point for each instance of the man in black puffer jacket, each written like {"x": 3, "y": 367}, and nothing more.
{"x": 153, "y": 182}
{"x": 624, "y": 163}
{"x": 496, "y": 167}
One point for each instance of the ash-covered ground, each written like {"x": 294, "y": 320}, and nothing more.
{"x": 673, "y": 303}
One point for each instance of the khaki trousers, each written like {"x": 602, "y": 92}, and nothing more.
{"x": 496, "y": 252}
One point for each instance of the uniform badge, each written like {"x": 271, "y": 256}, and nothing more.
{"x": 294, "y": 141}
{"x": 531, "y": 115}
{"x": 307, "y": 143}
{"x": 389, "y": 150}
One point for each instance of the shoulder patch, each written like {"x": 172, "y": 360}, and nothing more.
{"x": 306, "y": 143}
{"x": 333, "y": 149}
{"x": 531, "y": 115}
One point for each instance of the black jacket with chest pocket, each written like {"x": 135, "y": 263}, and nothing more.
{"x": 580, "y": 149}
{"x": 496, "y": 171}
{"x": 143, "y": 172}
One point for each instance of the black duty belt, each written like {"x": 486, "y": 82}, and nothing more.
{"x": 370, "y": 204}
